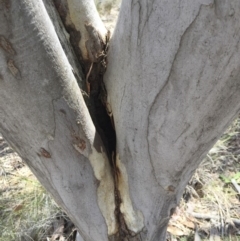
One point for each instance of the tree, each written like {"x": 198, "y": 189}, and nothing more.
{"x": 117, "y": 154}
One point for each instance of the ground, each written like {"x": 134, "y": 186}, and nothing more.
{"x": 210, "y": 205}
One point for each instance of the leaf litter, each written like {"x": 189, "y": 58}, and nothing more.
{"x": 210, "y": 203}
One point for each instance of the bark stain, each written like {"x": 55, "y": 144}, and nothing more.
{"x": 63, "y": 111}
{"x": 82, "y": 144}
{"x": 6, "y": 45}
{"x": 43, "y": 152}
{"x": 13, "y": 69}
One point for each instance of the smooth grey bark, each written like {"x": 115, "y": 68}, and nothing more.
{"x": 173, "y": 87}
{"x": 173, "y": 84}
{"x": 45, "y": 119}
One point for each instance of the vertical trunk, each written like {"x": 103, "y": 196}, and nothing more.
{"x": 173, "y": 85}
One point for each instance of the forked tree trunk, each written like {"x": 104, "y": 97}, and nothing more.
{"x": 173, "y": 87}
{"x": 44, "y": 117}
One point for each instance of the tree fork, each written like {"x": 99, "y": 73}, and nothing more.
{"x": 172, "y": 84}
{"x": 95, "y": 62}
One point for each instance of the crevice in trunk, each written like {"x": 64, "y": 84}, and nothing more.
{"x": 98, "y": 112}
{"x": 95, "y": 95}
{"x": 104, "y": 123}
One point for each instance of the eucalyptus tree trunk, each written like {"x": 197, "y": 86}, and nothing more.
{"x": 116, "y": 152}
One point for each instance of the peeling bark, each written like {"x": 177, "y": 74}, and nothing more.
{"x": 75, "y": 14}
{"x": 133, "y": 219}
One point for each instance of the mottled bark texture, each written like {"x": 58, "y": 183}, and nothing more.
{"x": 172, "y": 87}
{"x": 44, "y": 117}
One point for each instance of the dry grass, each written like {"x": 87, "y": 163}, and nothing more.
{"x": 26, "y": 210}
{"x": 210, "y": 205}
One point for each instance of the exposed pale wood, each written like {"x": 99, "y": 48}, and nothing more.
{"x": 75, "y": 14}
{"x": 173, "y": 84}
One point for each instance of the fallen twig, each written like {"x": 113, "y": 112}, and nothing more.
{"x": 208, "y": 216}
{"x": 235, "y": 185}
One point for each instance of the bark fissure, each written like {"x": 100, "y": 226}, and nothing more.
{"x": 129, "y": 225}
{"x": 94, "y": 67}
{"x": 100, "y": 110}
{"x": 104, "y": 123}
